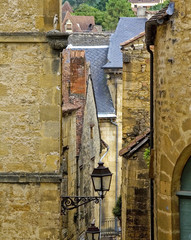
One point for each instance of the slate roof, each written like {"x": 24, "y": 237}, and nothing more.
{"x": 97, "y": 56}
{"x": 127, "y": 28}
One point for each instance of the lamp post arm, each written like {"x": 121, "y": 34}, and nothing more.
{"x": 69, "y": 203}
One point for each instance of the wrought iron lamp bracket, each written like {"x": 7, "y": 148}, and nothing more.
{"x": 69, "y": 203}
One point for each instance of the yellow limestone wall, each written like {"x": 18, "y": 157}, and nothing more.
{"x": 172, "y": 117}
{"x": 135, "y": 121}
{"x": 30, "y": 125}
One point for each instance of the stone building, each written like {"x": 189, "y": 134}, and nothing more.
{"x": 169, "y": 32}
{"x": 72, "y": 23}
{"x": 81, "y": 140}
{"x": 135, "y": 189}
{"x": 30, "y": 126}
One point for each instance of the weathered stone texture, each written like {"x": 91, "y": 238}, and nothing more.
{"x": 135, "y": 92}
{"x": 135, "y": 121}
{"x": 30, "y": 211}
{"x": 172, "y": 115}
{"x": 28, "y": 16}
{"x": 136, "y": 198}
{"x": 89, "y": 39}
{"x": 29, "y": 108}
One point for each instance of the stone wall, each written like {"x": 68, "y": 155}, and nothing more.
{"x": 28, "y": 16}
{"x": 88, "y": 160}
{"x": 82, "y": 139}
{"x": 30, "y": 126}
{"x": 172, "y": 117}
{"x": 135, "y": 197}
{"x": 136, "y": 70}
{"x": 135, "y": 121}
{"x": 30, "y": 211}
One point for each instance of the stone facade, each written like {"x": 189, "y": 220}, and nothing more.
{"x": 172, "y": 126}
{"x": 135, "y": 121}
{"x": 136, "y": 94}
{"x": 30, "y": 126}
{"x": 83, "y": 149}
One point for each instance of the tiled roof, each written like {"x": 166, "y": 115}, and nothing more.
{"x": 97, "y": 56}
{"x": 79, "y": 23}
{"x": 133, "y": 146}
{"x": 67, "y": 7}
{"x": 84, "y": 22}
{"x": 127, "y": 28}
{"x": 157, "y": 19}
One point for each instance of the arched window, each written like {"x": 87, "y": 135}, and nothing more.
{"x": 185, "y": 202}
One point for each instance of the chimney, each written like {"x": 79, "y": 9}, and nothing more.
{"x": 78, "y": 72}
{"x": 141, "y": 12}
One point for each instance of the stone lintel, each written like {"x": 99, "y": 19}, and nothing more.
{"x": 30, "y": 177}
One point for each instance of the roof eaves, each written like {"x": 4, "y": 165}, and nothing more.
{"x": 159, "y": 18}
{"x": 135, "y": 145}
{"x": 133, "y": 39}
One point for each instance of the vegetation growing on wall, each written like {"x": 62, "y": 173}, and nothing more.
{"x": 117, "y": 209}
{"x": 146, "y": 156}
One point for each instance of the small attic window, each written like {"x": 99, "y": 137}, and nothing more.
{"x": 68, "y": 26}
{"x": 90, "y": 27}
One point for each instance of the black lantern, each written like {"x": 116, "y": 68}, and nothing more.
{"x": 93, "y": 232}
{"x": 101, "y": 178}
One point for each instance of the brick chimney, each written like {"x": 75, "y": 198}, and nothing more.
{"x": 78, "y": 72}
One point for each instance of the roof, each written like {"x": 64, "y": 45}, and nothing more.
{"x": 127, "y": 28}
{"x": 133, "y": 39}
{"x": 154, "y": 21}
{"x": 97, "y": 56}
{"x": 79, "y": 23}
{"x": 67, "y": 7}
{"x": 135, "y": 145}
{"x": 84, "y": 22}
{"x": 144, "y": 1}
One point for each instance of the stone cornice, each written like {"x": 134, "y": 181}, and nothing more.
{"x": 22, "y": 37}
{"x": 9, "y": 177}
{"x": 56, "y": 39}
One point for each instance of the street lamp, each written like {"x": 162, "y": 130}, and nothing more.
{"x": 101, "y": 178}
{"x": 93, "y": 232}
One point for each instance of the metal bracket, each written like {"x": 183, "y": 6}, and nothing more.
{"x": 69, "y": 203}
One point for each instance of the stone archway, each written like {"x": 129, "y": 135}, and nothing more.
{"x": 176, "y": 179}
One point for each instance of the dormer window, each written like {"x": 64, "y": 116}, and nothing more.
{"x": 68, "y": 26}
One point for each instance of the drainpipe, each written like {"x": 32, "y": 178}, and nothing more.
{"x": 151, "y": 136}
{"x": 116, "y": 163}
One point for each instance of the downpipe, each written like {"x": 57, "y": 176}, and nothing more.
{"x": 151, "y": 136}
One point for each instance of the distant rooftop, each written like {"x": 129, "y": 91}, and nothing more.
{"x": 97, "y": 56}
{"x": 144, "y": 1}
{"x": 127, "y": 28}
